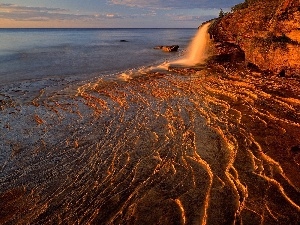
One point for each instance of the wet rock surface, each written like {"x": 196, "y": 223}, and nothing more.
{"x": 189, "y": 146}
{"x": 171, "y": 48}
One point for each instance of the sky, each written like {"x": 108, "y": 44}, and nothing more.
{"x": 110, "y": 13}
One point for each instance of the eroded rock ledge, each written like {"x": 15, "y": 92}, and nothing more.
{"x": 268, "y": 32}
{"x": 171, "y": 48}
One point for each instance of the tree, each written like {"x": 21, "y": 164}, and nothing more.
{"x": 221, "y": 13}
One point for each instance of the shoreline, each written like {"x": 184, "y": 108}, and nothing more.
{"x": 217, "y": 143}
{"x": 134, "y": 144}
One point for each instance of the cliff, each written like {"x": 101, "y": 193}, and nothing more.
{"x": 266, "y": 32}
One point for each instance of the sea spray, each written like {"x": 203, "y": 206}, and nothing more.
{"x": 197, "y": 51}
{"x": 196, "y": 54}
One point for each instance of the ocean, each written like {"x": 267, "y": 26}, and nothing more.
{"x": 27, "y": 54}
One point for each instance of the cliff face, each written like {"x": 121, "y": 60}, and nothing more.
{"x": 268, "y": 32}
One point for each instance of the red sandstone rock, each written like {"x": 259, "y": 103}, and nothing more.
{"x": 267, "y": 31}
{"x": 171, "y": 48}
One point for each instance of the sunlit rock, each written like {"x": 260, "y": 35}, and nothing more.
{"x": 171, "y": 48}
{"x": 267, "y": 31}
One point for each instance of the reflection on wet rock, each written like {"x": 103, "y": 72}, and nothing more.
{"x": 190, "y": 146}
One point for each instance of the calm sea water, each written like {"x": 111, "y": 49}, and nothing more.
{"x": 43, "y": 53}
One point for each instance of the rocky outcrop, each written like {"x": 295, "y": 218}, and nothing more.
{"x": 267, "y": 31}
{"x": 171, "y": 48}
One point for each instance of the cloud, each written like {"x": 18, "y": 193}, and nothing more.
{"x": 24, "y": 9}
{"x": 192, "y": 18}
{"x": 25, "y": 13}
{"x": 177, "y": 4}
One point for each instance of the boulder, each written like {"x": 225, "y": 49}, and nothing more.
{"x": 228, "y": 52}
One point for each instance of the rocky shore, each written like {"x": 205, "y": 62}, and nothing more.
{"x": 266, "y": 32}
{"x": 218, "y": 144}
{"x": 213, "y": 145}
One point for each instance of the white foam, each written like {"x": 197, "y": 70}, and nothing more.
{"x": 197, "y": 51}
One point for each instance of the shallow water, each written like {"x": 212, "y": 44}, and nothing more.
{"x": 27, "y": 54}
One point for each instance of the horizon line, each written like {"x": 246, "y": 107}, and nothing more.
{"x": 98, "y": 27}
